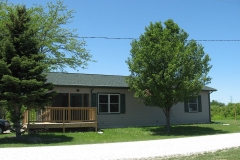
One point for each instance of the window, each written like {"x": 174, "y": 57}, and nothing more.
{"x": 79, "y": 100}
{"x": 193, "y": 105}
{"x": 76, "y": 100}
{"x": 108, "y": 103}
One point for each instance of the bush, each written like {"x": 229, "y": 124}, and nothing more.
{"x": 225, "y": 112}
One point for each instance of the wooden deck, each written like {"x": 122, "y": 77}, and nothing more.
{"x": 61, "y": 117}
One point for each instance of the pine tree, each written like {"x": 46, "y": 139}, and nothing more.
{"x": 22, "y": 78}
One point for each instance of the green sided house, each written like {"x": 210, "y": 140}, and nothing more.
{"x": 104, "y": 101}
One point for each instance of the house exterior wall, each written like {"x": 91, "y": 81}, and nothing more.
{"x": 137, "y": 114}
{"x": 72, "y": 90}
{"x": 181, "y": 117}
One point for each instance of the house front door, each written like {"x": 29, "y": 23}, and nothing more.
{"x": 79, "y": 101}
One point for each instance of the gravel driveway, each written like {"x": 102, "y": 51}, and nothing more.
{"x": 125, "y": 150}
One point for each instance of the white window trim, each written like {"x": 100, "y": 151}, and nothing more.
{"x": 109, "y": 103}
{"x": 193, "y": 103}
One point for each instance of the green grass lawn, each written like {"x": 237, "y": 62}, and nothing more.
{"x": 119, "y": 134}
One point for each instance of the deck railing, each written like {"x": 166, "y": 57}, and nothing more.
{"x": 61, "y": 114}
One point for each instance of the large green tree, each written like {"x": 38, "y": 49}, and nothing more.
{"x": 60, "y": 44}
{"x": 167, "y": 68}
{"x": 22, "y": 78}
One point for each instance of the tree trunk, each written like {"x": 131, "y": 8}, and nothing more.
{"x": 168, "y": 123}
{"x": 17, "y": 121}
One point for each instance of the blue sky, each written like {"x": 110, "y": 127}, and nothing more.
{"x": 201, "y": 19}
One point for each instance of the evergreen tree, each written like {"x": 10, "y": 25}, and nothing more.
{"x": 22, "y": 78}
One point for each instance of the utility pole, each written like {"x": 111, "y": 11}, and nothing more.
{"x": 235, "y": 110}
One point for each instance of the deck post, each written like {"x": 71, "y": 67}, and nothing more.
{"x": 69, "y": 105}
{"x": 50, "y": 114}
{"x": 69, "y": 114}
{"x": 96, "y": 119}
{"x": 63, "y": 120}
{"x": 27, "y": 115}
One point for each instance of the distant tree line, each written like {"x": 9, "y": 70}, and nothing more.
{"x": 221, "y": 111}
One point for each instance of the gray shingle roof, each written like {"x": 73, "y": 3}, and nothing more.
{"x": 92, "y": 80}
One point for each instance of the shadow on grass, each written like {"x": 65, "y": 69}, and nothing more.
{"x": 34, "y": 139}
{"x": 217, "y": 122}
{"x": 184, "y": 131}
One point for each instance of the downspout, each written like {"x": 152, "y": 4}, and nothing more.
{"x": 96, "y": 127}
{"x": 209, "y": 106}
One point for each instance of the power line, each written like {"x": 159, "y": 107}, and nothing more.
{"x": 232, "y": 40}
{"x": 106, "y": 38}
{"x": 130, "y": 38}
{"x": 138, "y": 38}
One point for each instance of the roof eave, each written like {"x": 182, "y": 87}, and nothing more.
{"x": 86, "y": 86}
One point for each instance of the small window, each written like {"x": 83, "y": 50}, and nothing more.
{"x": 108, "y": 103}
{"x": 193, "y": 105}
